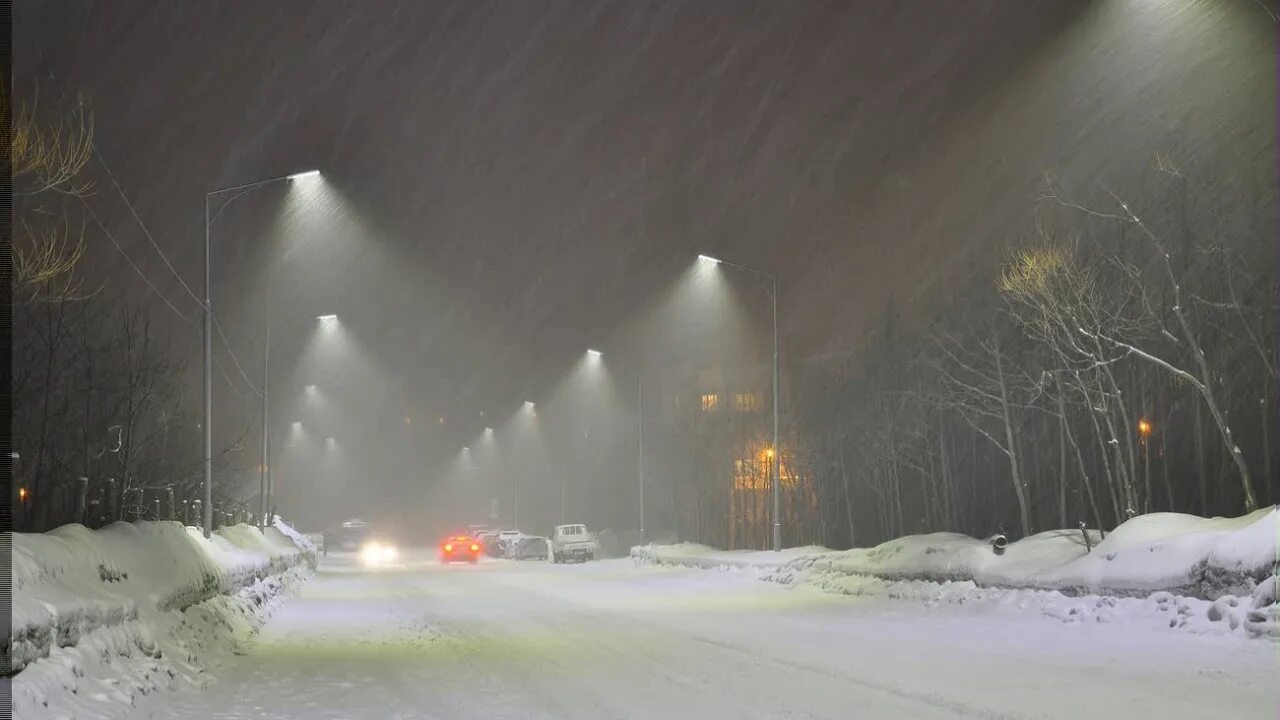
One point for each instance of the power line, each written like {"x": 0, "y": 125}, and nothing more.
{"x": 151, "y": 239}
{"x": 179, "y": 313}
{"x": 227, "y": 344}
{"x": 234, "y": 388}
{"x": 132, "y": 264}
{"x": 143, "y": 225}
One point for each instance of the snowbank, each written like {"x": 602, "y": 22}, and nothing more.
{"x": 154, "y": 590}
{"x": 1227, "y": 565}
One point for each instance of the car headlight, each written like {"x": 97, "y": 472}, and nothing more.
{"x": 377, "y": 553}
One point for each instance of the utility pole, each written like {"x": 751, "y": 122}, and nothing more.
{"x": 208, "y": 383}
{"x": 266, "y": 424}
{"x": 775, "y": 460}
{"x": 640, "y": 460}
{"x": 777, "y": 450}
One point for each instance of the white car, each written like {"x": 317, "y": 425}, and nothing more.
{"x": 507, "y": 538}
{"x": 572, "y": 542}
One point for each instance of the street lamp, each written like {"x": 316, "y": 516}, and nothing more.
{"x": 266, "y": 489}
{"x": 1144, "y": 430}
{"x": 775, "y": 460}
{"x": 208, "y": 332}
{"x": 640, "y": 441}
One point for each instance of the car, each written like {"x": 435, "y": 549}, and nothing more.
{"x": 507, "y": 537}
{"x": 348, "y": 537}
{"x": 572, "y": 542}
{"x": 377, "y": 551}
{"x": 460, "y": 548}
{"x": 490, "y": 546}
{"x": 529, "y": 547}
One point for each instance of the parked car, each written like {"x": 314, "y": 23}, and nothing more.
{"x": 529, "y": 547}
{"x": 572, "y": 542}
{"x": 507, "y": 538}
{"x": 490, "y": 545}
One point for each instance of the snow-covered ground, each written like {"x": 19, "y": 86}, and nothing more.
{"x": 616, "y": 639}
{"x": 1198, "y": 574}
{"x": 103, "y": 618}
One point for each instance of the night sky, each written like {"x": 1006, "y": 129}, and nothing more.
{"x": 515, "y": 181}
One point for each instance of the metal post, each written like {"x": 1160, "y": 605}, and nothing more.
{"x": 262, "y": 479}
{"x": 777, "y": 450}
{"x": 113, "y": 501}
{"x": 208, "y": 382}
{"x": 82, "y": 499}
{"x": 271, "y": 480}
{"x": 640, "y": 460}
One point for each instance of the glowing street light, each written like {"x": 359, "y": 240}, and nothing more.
{"x": 595, "y": 355}
{"x": 773, "y": 459}
{"x": 266, "y": 481}
{"x": 1144, "y": 430}
{"x": 207, "y": 520}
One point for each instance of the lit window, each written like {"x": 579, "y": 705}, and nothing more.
{"x": 748, "y": 402}
{"x": 710, "y": 401}
{"x": 748, "y": 476}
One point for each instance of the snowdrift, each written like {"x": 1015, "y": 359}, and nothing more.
{"x": 1228, "y": 562}
{"x": 73, "y": 580}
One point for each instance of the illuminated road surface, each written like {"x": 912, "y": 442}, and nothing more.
{"x": 611, "y": 640}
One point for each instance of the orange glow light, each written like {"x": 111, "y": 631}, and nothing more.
{"x": 22, "y": 494}
{"x": 1144, "y": 427}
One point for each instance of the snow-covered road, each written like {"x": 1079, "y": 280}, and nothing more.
{"x": 612, "y": 640}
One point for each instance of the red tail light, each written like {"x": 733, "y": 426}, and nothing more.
{"x": 475, "y": 548}
{"x": 448, "y": 548}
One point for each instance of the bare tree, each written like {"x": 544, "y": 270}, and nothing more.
{"x": 1182, "y": 335}
{"x": 980, "y": 388}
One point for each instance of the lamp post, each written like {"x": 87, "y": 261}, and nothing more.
{"x": 596, "y": 354}
{"x": 266, "y": 482}
{"x": 640, "y": 458}
{"x": 775, "y": 459}
{"x": 208, "y": 333}
{"x": 1144, "y": 432}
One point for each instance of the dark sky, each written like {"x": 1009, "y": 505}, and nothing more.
{"x": 524, "y": 176}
